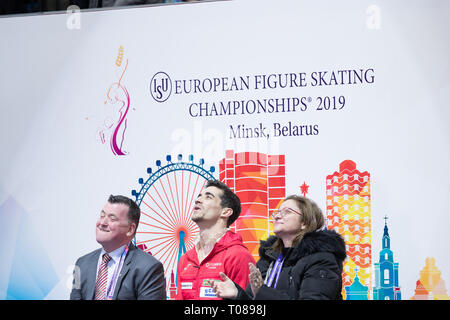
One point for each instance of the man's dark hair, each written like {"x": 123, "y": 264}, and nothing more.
{"x": 134, "y": 212}
{"x": 228, "y": 200}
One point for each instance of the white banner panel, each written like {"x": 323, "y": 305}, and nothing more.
{"x": 344, "y": 102}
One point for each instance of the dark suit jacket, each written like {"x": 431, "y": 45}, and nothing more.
{"x": 141, "y": 277}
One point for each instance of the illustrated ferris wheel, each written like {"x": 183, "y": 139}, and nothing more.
{"x": 166, "y": 200}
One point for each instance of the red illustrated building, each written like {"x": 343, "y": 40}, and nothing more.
{"x": 259, "y": 181}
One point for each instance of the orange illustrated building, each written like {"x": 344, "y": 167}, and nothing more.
{"x": 259, "y": 181}
{"x": 430, "y": 286}
{"x": 348, "y": 212}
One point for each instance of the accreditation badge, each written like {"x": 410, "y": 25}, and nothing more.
{"x": 207, "y": 292}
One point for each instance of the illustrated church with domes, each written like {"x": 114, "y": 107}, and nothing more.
{"x": 386, "y": 272}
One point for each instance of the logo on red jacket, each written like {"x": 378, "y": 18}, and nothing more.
{"x": 213, "y": 265}
{"x": 188, "y": 265}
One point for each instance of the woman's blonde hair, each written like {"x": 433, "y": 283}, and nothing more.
{"x": 311, "y": 217}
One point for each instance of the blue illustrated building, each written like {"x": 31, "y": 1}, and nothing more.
{"x": 386, "y": 272}
{"x": 357, "y": 291}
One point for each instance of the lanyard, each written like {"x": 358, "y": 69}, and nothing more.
{"x": 113, "y": 282}
{"x": 276, "y": 271}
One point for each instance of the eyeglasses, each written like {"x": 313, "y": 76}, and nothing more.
{"x": 281, "y": 213}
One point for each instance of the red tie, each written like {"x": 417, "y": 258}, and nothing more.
{"x": 102, "y": 279}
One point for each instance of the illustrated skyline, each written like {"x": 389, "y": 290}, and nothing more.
{"x": 260, "y": 182}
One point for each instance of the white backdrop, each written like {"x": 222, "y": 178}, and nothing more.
{"x": 56, "y": 174}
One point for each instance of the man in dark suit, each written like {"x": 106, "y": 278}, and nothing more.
{"x": 118, "y": 270}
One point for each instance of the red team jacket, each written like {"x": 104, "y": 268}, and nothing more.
{"x": 229, "y": 256}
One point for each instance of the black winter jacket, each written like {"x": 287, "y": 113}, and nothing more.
{"x": 311, "y": 270}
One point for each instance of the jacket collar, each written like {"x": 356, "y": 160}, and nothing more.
{"x": 125, "y": 268}
{"x": 228, "y": 240}
{"x": 312, "y": 242}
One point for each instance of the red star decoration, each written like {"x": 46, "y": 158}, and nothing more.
{"x": 304, "y": 188}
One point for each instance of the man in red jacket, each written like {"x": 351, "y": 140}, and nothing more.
{"x": 217, "y": 249}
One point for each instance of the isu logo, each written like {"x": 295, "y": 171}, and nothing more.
{"x": 160, "y": 87}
